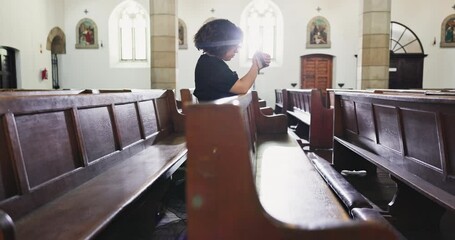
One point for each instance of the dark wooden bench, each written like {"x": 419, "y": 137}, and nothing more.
{"x": 280, "y": 101}
{"x": 409, "y": 136}
{"x": 309, "y": 116}
{"x": 71, "y": 164}
{"x": 330, "y": 96}
{"x": 31, "y": 92}
{"x": 331, "y": 92}
{"x": 97, "y": 91}
{"x": 187, "y": 97}
{"x": 248, "y": 178}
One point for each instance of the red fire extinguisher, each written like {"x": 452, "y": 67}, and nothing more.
{"x": 44, "y": 74}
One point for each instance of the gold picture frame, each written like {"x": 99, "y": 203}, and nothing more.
{"x": 318, "y": 33}
{"x": 448, "y": 32}
{"x": 182, "y": 37}
{"x": 86, "y": 34}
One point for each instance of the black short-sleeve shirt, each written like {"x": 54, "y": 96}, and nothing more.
{"x": 213, "y": 79}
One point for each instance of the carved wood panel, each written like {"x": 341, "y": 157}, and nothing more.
{"x": 316, "y": 71}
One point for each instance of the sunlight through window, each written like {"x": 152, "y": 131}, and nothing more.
{"x": 133, "y": 33}
{"x": 262, "y": 25}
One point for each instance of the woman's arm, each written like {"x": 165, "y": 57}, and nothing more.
{"x": 244, "y": 83}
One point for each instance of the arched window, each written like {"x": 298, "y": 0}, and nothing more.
{"x": 403, "y": 39}
{"x": 406, "y": 58}
{"x": 128, "y": 35}
{"x": 262, "y": 24}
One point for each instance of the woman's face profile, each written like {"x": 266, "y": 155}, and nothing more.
{"x": 230, "y": 53}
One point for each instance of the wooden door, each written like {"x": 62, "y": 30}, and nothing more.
{"x": 316, "y": 71}
{"x": 406, "y": 71}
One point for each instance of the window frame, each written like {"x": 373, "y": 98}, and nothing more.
{"x": 116, "y": 55}
{"x": 268, "y": 7}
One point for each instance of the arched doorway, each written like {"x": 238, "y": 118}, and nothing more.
{"x": 8, "y": 77}
{"x": 406, "y": 58}
{"x": 316, "y": 71}
{"x": 56, "y": 43}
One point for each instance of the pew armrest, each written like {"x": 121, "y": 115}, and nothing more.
{"x": 7, "y": 230}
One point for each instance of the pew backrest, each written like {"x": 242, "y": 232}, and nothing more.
{"x": 278, "y": 101}
{"x": 411, "y": 136}
{"x": 187, "y": 97}
{"x": 310, "y": 104}
{"x": 52, "y": 144}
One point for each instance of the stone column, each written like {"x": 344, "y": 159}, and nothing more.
{"x": 163, "y": 26}
{"x": 373, "y": 62}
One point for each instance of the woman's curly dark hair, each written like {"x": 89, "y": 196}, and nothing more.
{"x": 217, "y": 36}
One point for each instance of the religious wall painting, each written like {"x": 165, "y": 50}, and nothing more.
{"x": 86, "y": 34}
{"x": 447, "y": 32}
{"x": 318, "y": 33}
{"x": 182, "y": 37}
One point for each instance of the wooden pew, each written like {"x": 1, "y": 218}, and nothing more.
{"x": 97, "y": 91}
{"x": 71, "y": 164}
{"x": 330, "y": 96}
{"x": 32, "y": 92}
{"x": 409, "y": 136}
{"x": 278, "y": 101}
{"x": 187, "y": 97}
{"x": 249, "y": 179}
{"x": 331, "y": 92}
{"x": 314, "y": 122}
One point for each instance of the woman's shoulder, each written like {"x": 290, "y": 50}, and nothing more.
{"x": 210, "y": 60}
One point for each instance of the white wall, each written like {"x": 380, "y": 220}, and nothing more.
{"x": 25, "y": 25}
{"x": 90, "y": 68}
{"x": 342, "y": 15}
{"x": 425, "y": 21}
{"x": 422, "y": 16}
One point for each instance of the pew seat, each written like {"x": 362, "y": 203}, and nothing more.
{"x": 75, "y": 163}
{"x": 345, "y": 191}
{"x": 282, "y": 168}
{"x": 250, "y": 179}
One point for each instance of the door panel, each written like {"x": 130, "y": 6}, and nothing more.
{"x": 316, "y": 71}
{"x": 406, "y": 71}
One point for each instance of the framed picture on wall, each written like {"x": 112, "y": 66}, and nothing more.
{"x": 318, "y": 33}
{"x": 86, "y": 34}
{"x": 447, "y": 32}
{"x": 182, "y": 38}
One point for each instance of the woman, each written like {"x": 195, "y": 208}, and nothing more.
{"x": 219, "y": 40}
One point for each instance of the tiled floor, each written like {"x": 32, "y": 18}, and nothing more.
{"x": 172, "y": 225}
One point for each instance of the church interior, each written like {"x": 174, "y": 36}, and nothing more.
{"x": 382, "y": 68}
